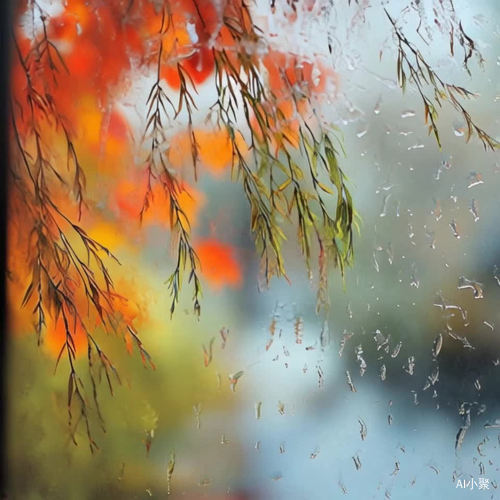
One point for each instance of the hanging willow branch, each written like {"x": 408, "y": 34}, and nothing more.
{"x": 447, "y": 21}
{"x": 275, "y": 183}
{"x": 411, "y": 66}
{"x": 158, "y": 171}
{"x": 279, "y": 187}
{"x": 69, "y": 278}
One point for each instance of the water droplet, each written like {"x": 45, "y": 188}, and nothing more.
{"x": 233, "y": 379}
{"x": 324, "y": 336}
{"x": 380, "y": 340}
{"x": 464, "y": 340}
{"x": 383, "y": 209}
{"x": 258, "y": 410}
{"x": 435, "y": 469}
{"x": 207, "y": 352}
{"x": 410, "y": 368}
{"x": 170, "y": 472}
{"x": 396, "y": 350}
{"x": 414, "y": 281}
{"x": 342, "y": 487}
{"x": 431, "y": 237}
{"x": 496, "y": 274}
{"x": 320, "y": 376}
{"x": 475, "y": 286}
{"x": 396, "y": 469}
{"x": 494, "y": 425}
{"x": 436, "y": 211}
{"x": 363, "y": 429}
{"x": 390, "y": 253}
{"x": 349, "y": 381}
{"x": 432, "y": 379}
{"x": 359, "y": 356}
{"x": 444, "y": 306}
{"x": 474, "y": 210}
{"x": 122, "y": 472}
{"x": 460, "y": 437}
{"x": 345, "y": 337}
{"x": 281, "y": 408}
{"x": 224, "y": 333}
{"x": 454, "y": 229}
{"x": 445, "y": 165}
{"x": 269, "y": 343}
{"x": 298, "y": 330}
{"x": 408, "y": 113}
{"x": 474, "y": 179}
{"x": 197, "y": 414}
{"x": 191, "y": 30}
{"x": 415, "y": 398}
{"x": 411, "y": 234}
{"x": 438, "y": 343}
{"x": 316, "y": 76}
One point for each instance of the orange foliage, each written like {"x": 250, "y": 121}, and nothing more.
{"x": 96, "y": 43}
{"x": 287, "y": 70}
{"x": 179, "y": 151}
{"x": 83, "y": 59}
{"x": 215, "y": 149}
{"x": 55, "y": 336}
{"x": 198, "y": 66}
{"x": 219, "y": 265}
{"x": 128, "y": 199}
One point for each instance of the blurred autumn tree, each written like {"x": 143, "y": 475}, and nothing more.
{"x": 77, "y": 173}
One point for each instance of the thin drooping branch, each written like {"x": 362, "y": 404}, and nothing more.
{"x": 69, "y": 278}
{"x": 158, "y": 171}
{"x": 412, "y": 66}
{"x": 277, "y": 151}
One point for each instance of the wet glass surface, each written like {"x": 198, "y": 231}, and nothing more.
{"x": 382, "y": 383}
